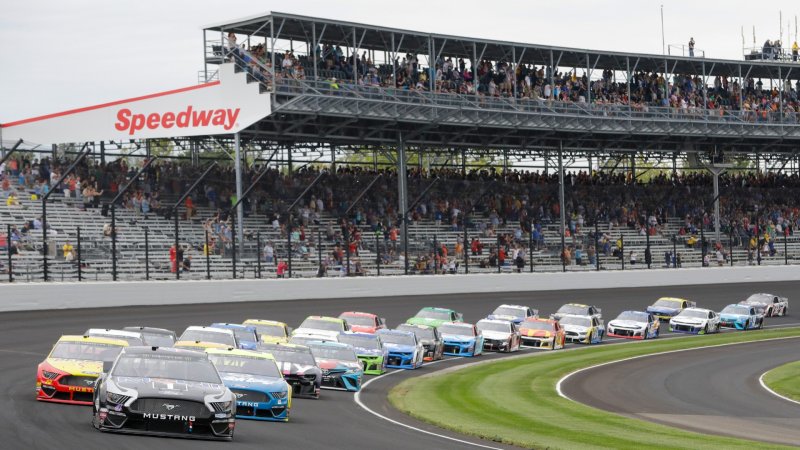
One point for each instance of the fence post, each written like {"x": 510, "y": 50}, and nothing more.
{"x": 596, "y": 243}
{"x": 467, "y": 247}
{"x": 80, "y": 270}
{"x": 499, "y": 268}
{"x": 675, "y": 250}
{"x": 258, "y": 254}
{"x": 730, "y": 244}
{"x": 233, "y": 245}
{"x": 208, "y": 257}
{"x": 113, "y": 242}
{"x": 8, "y": 243}
{"x": 435, "y": 254}
{"x": 177, "y": 237}
{"x": 378, "y": 250}
{"x": 289, "y": 242}
{"x": 530, "y": 248}
{"x": 785, "y": 247}
{"x": 622, "y": 250}
{"x": 44, "y": 239}
{"x": 147, "y": 253}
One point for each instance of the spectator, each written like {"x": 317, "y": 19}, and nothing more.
{"x": 281, "y": 269}
{"x": 795, "y": 49}
{"x": 691, "y": 47}
{"x": 68, "y": 251}
{"x": 269, "y": 253}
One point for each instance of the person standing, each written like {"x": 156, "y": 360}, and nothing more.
{"x": 795, "y": 49}
{"x": 691, "y": 47}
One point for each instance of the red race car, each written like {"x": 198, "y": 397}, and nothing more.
{"x": 361, "y": 322}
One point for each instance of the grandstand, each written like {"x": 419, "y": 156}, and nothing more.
{"x": 606, "y": 155}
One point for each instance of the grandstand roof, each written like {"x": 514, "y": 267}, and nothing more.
{"x": 371, "y": 37}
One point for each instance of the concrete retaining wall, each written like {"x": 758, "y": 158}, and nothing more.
{"x": 38, "y": 296}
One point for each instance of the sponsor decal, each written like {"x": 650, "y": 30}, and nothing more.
{"x": 129, "y": 122}
{"x": 169, "y": 406}
{"x": 251, "y": 404}
{"x": 79, "y": 389}
{"x": 156, "y": 416}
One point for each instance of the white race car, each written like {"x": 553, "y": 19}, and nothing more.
{"x": 772, "y": 305}
{"x": 583, "y": 329}
{"x": 499, "y": 335}
{"x": 695, "y": 321}
{"x": 634, "y": 325}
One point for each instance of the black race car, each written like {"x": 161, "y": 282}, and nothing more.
{"x": 163, "y": 391}
{"x": 158, "y": 337}
{"x": 298, "y": 366}
{"x": 430, "y": 338}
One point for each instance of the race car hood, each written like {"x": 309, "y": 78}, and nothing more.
{"x": 688, "y": 320}
{"x": 733, "y": 317}
{"x": 361, "y": 351}
{"x": 168, "y": 387}
{"x": 499, "y": 335}
{"x": 328, "y": 365}
{"x": 575, "y": 328}
{"x": 425, "y": 321}
{"x": 248, "y": 381}
{"x": 322, "y": 335}
{"x": 515, "y": 319}
{"x": 537, "y": 333}
{"x": 77, "y": 366}
{"x": 400, "y": 348}
{"x": 662, "y": 310}
{"x": 753, "y": 303}
{"x": 458, "y": 337}
{"x": 267, "y": 339}
{"x": 625, "y": 324}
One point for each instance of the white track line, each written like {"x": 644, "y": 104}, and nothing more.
{"x": 764, "y": 385}
{"x": 565, "y": 377}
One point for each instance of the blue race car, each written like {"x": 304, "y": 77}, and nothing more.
{"x": 246, "y": 335}
{"x": 741, "y": 317}
{"x": 513, "y": 313}
{"x": 666, "y": 308}
{"x": 369, "y": 350}
{"x": 461, "y": 339}
{"x": 405, "y": 350}
{"x": 256, "y": 382}
{"x": 341, "y": 368}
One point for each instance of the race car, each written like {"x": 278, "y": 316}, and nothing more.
{"x": 405, "y": 351}
{"x": 435, "y": 316}
{"x": 667, "y": 307}
{"x": 361, "y": 322}
{"x": 369, "y": 350}
{"x": 513, "y": 313}
{"x": 499, "y": 335}
{"x": 298, "y": 367}
{"x": 577, "y": 309}
{"x": 321, "y": 328}
{"x": 341, "y": 369}
{"x": 634, "y": 325}
{"x": 199, "y": 346}
{"x": 695, "y": 321}
{"x": 246, "y": 335}
{"x": 197, "y": 336}
{"x": 158, "y": 337}
{"x": 131, "y": 337}
{"x": 461, "y": 339}
{"x": 270, "y": 330}
{"x": 429, "y": 337}
{"x": 69, "y": 372}
{"x": 542, "y": 333}
{"x": 164, "y": 391}
{"x": 773, "y": 305}
{"x": 582, "y": 329}
{"x": 741, "y": 317}
{"x": 304, "y": 340}
{"x": 256, "y": 382}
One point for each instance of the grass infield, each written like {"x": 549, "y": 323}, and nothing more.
{"x": 514, "y": 401}
{"x": 785, "y": 380}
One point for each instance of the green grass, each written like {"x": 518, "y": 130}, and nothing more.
{"x": 514, "y": 401}
{"x": 785, "y": 380}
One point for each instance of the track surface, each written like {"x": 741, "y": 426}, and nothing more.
{"x": 714, "y": 390}
{"x": 335, "y": 420}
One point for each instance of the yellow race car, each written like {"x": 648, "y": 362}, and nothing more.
{"x": 270, "y": 330}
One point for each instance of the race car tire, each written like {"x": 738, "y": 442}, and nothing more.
{"x": 747, "y": 325}
{"x": 761, "y": 324}
{"x": 785, "y": 312}
{"x": 705, "y": 329}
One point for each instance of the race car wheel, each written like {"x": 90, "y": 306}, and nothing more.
{"x": 761, "y": 324}
{"x": 705, "y": 329}
{"x": 747, "y": 325}
{"x": 785, "y": 311}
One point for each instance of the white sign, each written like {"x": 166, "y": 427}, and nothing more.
{"x": 221, "y": 107}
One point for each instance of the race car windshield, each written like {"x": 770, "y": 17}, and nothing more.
{"x": 492, "y": 326}
{"x": 158, "y": 340}
{"x": 208, "y": 336}
{"x": 694, "y": 314}
{"x": 243, "y": 364}
{"x": 736, "y": 309}
{"x": 579, "y": 321}
{"x": 330, "y": 352}
{"x": 433, "y": 314}
{"x": 571, "y": 309}
{"x": 759, "y": 298}
{"x": 360, "y": 320}
{"x": 293, "y": 357}
{"x": 166, "y": 366}
{"x": 399, "y": 339}
{"x": 508, "y": 311}
{"x": 537, "y": 325}
{"x": 319, "y": 324}
{"x": 88, "y": 351}
{"x": 245, "y": 335}
{"x": 667, "y": 303}
{"x": 270, "y": 330}
{"x": 422, "y": 333}
{"x": 630, "y": 315}
{"x": 367, "y": 342}
{"x": 461, "y": 330}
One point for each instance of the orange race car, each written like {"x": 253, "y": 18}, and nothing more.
{"x": 361, "y": 322}
{"x": 542, "y": 333}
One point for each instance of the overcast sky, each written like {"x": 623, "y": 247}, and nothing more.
{"x": 57, "y": 55}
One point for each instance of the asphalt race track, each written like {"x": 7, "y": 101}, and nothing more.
{"x": 335, "y": 420}
{"x": 713, "y": 390}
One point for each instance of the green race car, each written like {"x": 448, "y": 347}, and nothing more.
{"x": 434, "y": 317}
{"x": 369, "y": 350}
